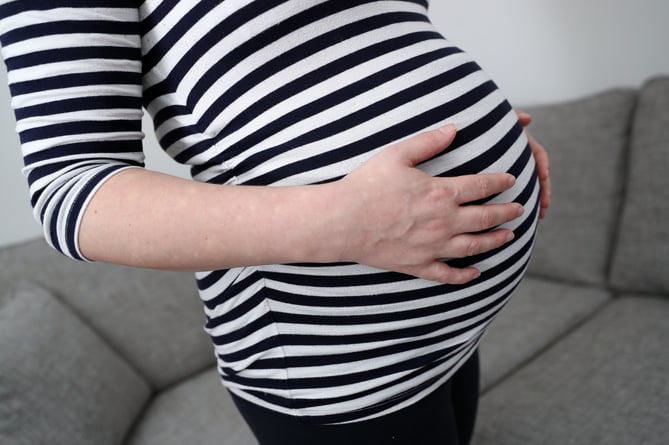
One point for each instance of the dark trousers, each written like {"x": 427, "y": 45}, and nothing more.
{"x": 445, "y": 417}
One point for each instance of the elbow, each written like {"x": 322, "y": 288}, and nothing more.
{"x": 59, "y": 205}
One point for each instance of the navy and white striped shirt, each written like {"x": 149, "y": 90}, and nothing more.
{"x": 276, "y": 92}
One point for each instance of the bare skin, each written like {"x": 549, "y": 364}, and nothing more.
{"x": 385, "y": 214}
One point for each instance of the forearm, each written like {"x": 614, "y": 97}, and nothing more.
{"x": 148, "y": 219}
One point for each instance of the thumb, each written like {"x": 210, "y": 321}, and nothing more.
{"x": 422, "y": 147}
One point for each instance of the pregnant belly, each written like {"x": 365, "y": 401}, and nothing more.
{"x": 346, "y": 328}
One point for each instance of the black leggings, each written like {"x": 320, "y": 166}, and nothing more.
{"x": 445, "y": 417}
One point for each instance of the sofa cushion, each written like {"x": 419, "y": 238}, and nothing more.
{"x": 59, "y": 382}
{"x": 196, "y": 411}
{"x": 606, "y": 383}
{"x": 154, "y": 319}
{"x": 539, "y": 313}
{"x": 640, "y": 262}
{"x": 586, "y": 140}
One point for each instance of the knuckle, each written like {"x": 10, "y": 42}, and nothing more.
{"x": 472, "y": 247}
{"x": 484, "y": 185}
{"x": 446, "y": 275}
{"x": 452, "y": 193}
{"x": 454, "y": 190}
{"x": 486, "y": 218}
{"x": 443, "y": 193}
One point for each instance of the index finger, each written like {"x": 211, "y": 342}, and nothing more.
{"x": 470, "y": 188}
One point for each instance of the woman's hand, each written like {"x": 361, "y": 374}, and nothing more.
{"x": 404, "y": 220}
{"x": 541, "y": 159}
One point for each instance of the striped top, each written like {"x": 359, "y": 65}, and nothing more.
{"x": 276, "y": 92}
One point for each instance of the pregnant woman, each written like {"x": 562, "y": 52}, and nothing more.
{"x": 350, "y": 249}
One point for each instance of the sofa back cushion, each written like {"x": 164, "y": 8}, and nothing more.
{"x": 59, "y": 381}
{"x": 641, "y": 261}
{"x": 153, "y": 319}
{"x": 586, "y": 140}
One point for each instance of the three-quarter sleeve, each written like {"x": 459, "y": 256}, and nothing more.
{"x": 75, "y": 77}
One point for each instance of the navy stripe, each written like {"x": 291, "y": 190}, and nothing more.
{"x": 19, "y": 6}
{"x": 329, "y": 281}
{"x": 88, "y": 147}
{"x": 71, "y": 54}
{"x": 79, "y": 104}
{"x": 69, "y": 27}
{"x": 74, "y": 128}
{"x": 77, "y": 80}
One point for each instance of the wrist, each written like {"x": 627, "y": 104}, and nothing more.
{"x": 334, "y": 225}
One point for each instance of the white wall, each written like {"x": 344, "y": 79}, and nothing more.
{"x": 537, "y": 51}
{"x": 546, "y": 50}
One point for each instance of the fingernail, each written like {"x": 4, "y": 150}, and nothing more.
{"x": 520, "y": 210}
{"x": 510, "y": 236}
{"x": 447, "y": 129}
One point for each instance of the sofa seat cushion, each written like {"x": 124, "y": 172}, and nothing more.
{"x": 586, "y": 140}
{"x": 540, "y": 312}
{"x": 640, "y": 262}
{"x": 605, "y": 383}
{"x": 153, "y": 318}
{"x": 60, "y": 383}
{"x": 196, "y": 411}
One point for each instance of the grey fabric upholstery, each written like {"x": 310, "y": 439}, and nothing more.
{"x": 539, "y": 312}
{"x": 153, "y": 318}
{"x": 640, "y": 261}
{"x": 587, "y": 142}
{"x": 59, "y": 382}
{"x": 606, "y": 383}
{"x": 197, "y": 411}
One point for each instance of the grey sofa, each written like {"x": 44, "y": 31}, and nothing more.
{"x": 101, "y": 354}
